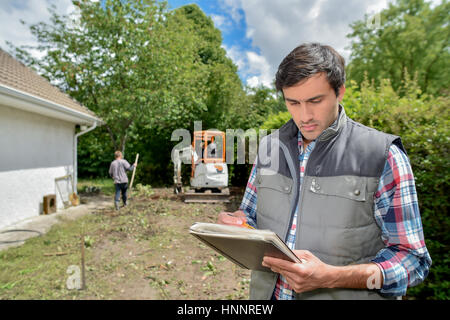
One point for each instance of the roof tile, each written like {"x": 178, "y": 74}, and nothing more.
{"x": 16, "y": 75}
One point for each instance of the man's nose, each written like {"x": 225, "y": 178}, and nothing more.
{"x": 307, "y": 114}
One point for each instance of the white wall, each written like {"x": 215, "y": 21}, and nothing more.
{"x": 34, "y": 150}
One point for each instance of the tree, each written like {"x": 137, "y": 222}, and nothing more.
{"x": 125, "y": 61}
{"x": 145, "y": 71}
{"x": 224, "y": 88}
{"x": 412, "y": 37}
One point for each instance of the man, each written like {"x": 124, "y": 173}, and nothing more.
{"x": 340, "y": 194}
{"x": 212, "y": 147}
{"x": 117, "y": 171}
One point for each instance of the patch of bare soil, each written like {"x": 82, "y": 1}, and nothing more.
{"x": 144, "y": 251}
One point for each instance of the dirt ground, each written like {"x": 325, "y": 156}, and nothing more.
{"x": 143, "y": 251}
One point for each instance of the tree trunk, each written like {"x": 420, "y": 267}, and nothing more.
{"x": 113, "y": 138}
{"x": 123, "y": 142}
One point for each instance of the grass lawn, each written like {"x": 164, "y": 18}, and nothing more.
{"x": 143, "y": 251}
{"x": 106, "y": 185}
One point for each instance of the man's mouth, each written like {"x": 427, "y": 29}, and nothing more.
{"x": 309, "y": 127}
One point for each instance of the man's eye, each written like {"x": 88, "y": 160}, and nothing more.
{"x": 316, "y": 101}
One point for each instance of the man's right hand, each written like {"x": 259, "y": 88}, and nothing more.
{"x": 237, "y": 218}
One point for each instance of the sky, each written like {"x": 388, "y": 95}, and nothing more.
{"x": 257, "y": 34}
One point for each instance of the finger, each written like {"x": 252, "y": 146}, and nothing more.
{"x": 293, "y": 278}
{"x": 221, "y": 217}
{"x": 239, "y": 213}
{"x": 294, "y": 281}
{"x": 280, "y": 263}
{"x": 225, "y": 218}
{"x": 233, "y": 220}
{"x": 296, "y": 284}
{"x": 305, "y": 254}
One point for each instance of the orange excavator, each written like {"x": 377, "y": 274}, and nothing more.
{"x": 209, "y": 173}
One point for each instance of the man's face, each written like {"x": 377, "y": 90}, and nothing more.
{"x": 313, "y": 105}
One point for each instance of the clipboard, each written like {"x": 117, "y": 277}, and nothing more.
{"x": 245, "y": 247}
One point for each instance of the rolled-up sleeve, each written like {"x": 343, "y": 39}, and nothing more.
{"x": 127, "y": 166}
{"x": 111, "y": 171}
{"x": 405, "y": 260}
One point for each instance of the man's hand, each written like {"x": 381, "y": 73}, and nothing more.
{"x": 135, "y": 164}
{"x": 311, "y": 274}
{"x": 237, "y": 218}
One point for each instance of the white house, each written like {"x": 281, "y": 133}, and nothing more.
{"x": 38, "y": 141}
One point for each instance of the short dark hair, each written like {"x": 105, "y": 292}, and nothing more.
{"x": 307, "y": 60}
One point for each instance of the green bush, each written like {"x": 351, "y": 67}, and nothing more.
{"x": 144, "y": 190}
{"x": 423, "y": 123}
{"x": 275, "y": 121}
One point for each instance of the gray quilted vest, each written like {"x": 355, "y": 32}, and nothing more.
{"x": 335, "y": 216}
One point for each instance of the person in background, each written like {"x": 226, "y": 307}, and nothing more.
{"x": 212, "y": 147}
{"x": 117, "y": 171}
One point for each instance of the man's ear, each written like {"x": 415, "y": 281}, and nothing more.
{"x": 341, "y": 93}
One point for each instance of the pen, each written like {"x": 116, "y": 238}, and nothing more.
{"x": 245, "y": 224}
{"x": 248, "y": 226}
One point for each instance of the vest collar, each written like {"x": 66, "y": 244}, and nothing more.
{"x": 336, "y": 127}
{"x": 289, "y": 131}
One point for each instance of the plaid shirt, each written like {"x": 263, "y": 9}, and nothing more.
{"x": 405, "y": 260}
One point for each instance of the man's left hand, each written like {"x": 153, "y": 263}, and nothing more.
{"x": 309, "y": 275}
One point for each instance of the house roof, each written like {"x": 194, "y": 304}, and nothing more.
{"x": 15, "y": 75}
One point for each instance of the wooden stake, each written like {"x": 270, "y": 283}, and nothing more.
{"x": 83, "y": 279}
{"x": 134, "y": 170}
{"x": 55, "y": 254}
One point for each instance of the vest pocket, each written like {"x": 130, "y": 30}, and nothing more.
{"x": 275, "y": 182}
{"x": 338, "y": 202}
{"x": 274, "y": 201}
{"x": 349, "y": 187}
